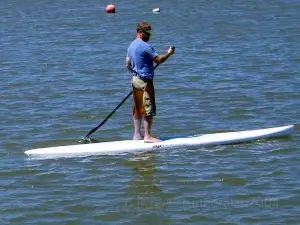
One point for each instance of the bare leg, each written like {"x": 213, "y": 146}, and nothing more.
{"x": 147, "y": 124}
{"x": 137, "y": 128}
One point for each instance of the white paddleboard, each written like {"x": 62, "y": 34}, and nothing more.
{"x": 139, "y": 145}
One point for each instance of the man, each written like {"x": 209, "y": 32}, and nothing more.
{"x": 139, "y": 60}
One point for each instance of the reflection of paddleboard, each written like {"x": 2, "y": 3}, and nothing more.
{"x": 139, "y": 145}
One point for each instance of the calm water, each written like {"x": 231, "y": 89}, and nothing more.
{"x": 236, "y": 67}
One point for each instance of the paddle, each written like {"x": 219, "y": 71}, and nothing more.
{"x": 118, "y": 106}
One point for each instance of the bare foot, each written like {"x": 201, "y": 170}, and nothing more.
{"x": 151, "y": 140}
{"x": 137, "y": 137}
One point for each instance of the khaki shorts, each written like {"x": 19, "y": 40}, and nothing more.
{"x": 143, "y": 97}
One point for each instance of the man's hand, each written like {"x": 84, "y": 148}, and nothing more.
{"x": 171, "y": 50}
{"x": 162, "y": 58}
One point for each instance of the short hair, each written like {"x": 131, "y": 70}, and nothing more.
{"x": 144, "y": 26}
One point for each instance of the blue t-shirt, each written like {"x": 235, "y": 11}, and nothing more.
{"x": 141, "y": 56}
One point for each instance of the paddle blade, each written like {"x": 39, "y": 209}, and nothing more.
{"x": 85, "y": 140}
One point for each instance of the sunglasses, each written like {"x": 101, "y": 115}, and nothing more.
{"x": 145, "y": 32}
{"x": 148, "y": 34}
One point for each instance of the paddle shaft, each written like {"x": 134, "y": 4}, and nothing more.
{"x": 118, "y": 106}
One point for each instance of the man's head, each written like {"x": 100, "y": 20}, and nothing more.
{"x": 144, "y": 31}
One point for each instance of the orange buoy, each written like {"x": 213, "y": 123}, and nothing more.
{"x": 110, "y": 9}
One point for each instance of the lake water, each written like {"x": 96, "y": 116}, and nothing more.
{"x": 236, "y": 67}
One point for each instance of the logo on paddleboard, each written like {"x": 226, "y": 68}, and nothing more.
{"x": 156, "y": 146}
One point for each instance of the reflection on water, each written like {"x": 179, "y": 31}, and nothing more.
{"x": 143, "y": 167}
{"x": 144, "y": 190}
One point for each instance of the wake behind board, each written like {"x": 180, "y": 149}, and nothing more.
{"x": 139, "y": 145}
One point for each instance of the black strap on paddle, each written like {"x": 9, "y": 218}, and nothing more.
{"x": 118, "y": 106}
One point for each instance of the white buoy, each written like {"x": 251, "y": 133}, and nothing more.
{"x": 157, "y": 10}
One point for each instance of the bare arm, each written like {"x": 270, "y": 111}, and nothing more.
{"x": 128, "y": 64}
{"x": 162, "y": 58}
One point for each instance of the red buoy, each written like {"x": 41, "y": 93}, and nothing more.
{"x": 110, "y": 9}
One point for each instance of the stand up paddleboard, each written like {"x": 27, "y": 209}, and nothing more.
{"x": 139, "y": 145}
